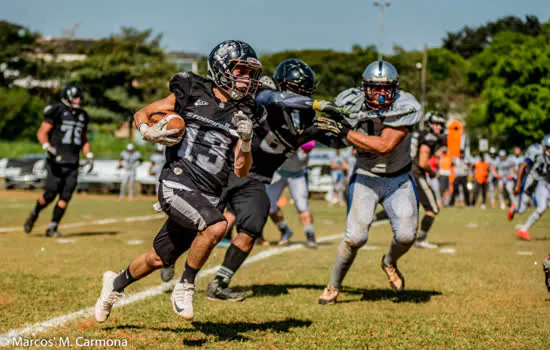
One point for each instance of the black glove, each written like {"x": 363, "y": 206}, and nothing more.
{"x": 333, "y": 126}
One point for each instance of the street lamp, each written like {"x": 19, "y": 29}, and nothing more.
{"x": 381, "y": 5}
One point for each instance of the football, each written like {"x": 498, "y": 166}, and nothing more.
{"x": 175, "y": 121}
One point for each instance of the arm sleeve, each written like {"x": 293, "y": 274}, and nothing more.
{"x": 181, "y": 85}
{"x": 284, "y": 99}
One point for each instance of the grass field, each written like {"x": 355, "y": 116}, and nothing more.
{"x": 488, "y": 294}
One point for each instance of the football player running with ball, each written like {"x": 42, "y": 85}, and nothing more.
{"x": 218, "y": 134}
{"x": 62, "y": 134}
{"x": 381, "y": 118}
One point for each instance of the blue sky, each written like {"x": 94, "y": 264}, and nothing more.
{"x": 268, "y": 25}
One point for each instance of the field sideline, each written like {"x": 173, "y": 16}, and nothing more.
{"x": 485, "y": 289}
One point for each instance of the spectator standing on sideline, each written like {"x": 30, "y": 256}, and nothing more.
{"x": 128, "y": 162}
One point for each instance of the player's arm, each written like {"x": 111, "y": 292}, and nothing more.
{"x": 424, "y": 160}
{"x": 521, "y": 174}
{"x": 120, "y": 163}
{"x": 42, "y": 134}
{"x": 155, "y": 133}
{"x": 87, "y": 150}
{"x": 46, "y": 126}
{"x": 383, "y": 144}
{"x": 243, "y": 159}
{"x": 243, "y": 149}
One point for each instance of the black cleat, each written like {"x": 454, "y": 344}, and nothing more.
{"x": 215, "y": 291}
{"x": 167, "y": 273}
{"x": 53, "y": 233}
{"x": 310, "y": 241}
{"x": 29, "y": 223}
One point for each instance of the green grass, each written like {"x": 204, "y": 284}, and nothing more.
{"x": 484, "y": 296}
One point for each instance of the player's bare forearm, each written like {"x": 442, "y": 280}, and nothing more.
{"x": 382, "y": 144}
{"x": 243, "y": 161}
{"x": 424, "y": 157}
{"x": 86, "y": 148}
{"x": 43, "y": 131}
{"x": 521, "y": 173}
{"x": 166, "y": 104}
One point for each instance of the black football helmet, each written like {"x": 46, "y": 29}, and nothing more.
{"x": 225, "y": 58}
{"x": 435, "y": 119}
{"x": 69, "y": 93}
{"x": 295, "y": 76}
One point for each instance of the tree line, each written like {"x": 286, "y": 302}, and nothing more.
{"x": 495, "y": 75}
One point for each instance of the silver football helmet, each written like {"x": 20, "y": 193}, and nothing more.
{"x": 380, "y": 83}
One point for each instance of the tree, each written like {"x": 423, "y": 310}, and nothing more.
{"x": 513, "y": 75}
{"x": 469, "y": 42}
{"x": 123, "y": 73}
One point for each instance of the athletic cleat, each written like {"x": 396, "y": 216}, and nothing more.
{"x": 511, "y": 212}
{"x": 483, "y": 207}
{"x": 262, "y": 242}
{"x": 502, "y": 206}
{"x": 425, "y": 245}
{"x": 182, "y": 300}
{"x": 167, "y": 273}
{"x": 286, "y": 237}
{"x": 523, "y": 234}
{"x": 216, "y": 291}
{"x": 310, "y": 241}
{"x": 546, "y": 267}
{"x": 51, "y": 232}
{"x": 329, "y": 296}
{"x": 396, "y": 280}
{"x": 29, "y": 223}
{"x": 108, "y": 297}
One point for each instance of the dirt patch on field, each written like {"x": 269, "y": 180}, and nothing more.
{"x": 5, "y": 299}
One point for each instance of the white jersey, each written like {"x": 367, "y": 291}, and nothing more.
{"x": 405, "y": 111}
{"x": 540, "y": 169}
{"x": 130, "y": 160}
{"x": 504, "y": 167}
{"x": 516, "y": 162}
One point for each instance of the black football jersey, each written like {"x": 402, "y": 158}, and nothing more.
{"x": 66, "y": 135}
{"x": 428, "y": 138}
{"x": 204, "y": 159}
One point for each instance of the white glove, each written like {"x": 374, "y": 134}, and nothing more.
{"x": 158, "y": 134}
{"x": 49, "y": 149}
{"x": 90, "y": 158}
{"x": 244, "y": 126}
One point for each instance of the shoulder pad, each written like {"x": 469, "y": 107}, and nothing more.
{"x": 182, "y": 83}
{"x": 405, "y": 111}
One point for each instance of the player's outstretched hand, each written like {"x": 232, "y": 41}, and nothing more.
{"x": 329, "y": 125}
{"x": 244, "y": 126}
{"x": 330, "y": 109}
{"x": 157, "y": 133}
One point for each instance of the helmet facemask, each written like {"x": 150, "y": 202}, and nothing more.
{"x": 240, "y": 78}
{"x": 379, "y": 95}
{"x": 70, "y": 93}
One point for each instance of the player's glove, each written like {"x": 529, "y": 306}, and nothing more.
{"x": 244, "y": 129}
{"x": 90, "y": 159}
{"x": 330, "y": 109}
{"x": 51, "y": 152}
{"x": 333, "y": 126}
{"x": 157, "y": 133}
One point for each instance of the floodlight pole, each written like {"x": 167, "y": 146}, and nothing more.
{"x": 381, "y": 5}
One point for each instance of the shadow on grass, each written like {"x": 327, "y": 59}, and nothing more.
{"x": 410, "y": 296}
{"x": 92, "y": 233}
{"x": 230, "y": 331}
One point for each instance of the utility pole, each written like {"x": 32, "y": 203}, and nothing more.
{"x": 381, "y": 5}
{"x": 423, "y": 77}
